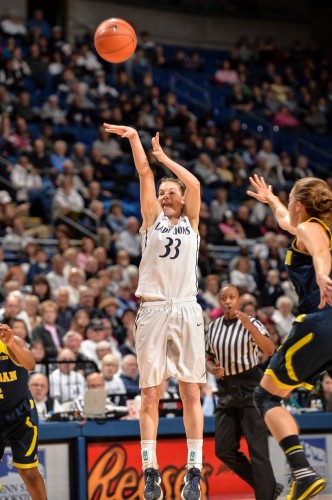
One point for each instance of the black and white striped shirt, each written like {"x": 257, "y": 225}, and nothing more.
{"x": 232, "y": 344}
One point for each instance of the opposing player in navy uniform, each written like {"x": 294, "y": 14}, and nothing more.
{"x": 169, "y": 333}
{"x": 232, "y": 343}
{"x": 18, "y": 414}
{"x": 307, "y": 351}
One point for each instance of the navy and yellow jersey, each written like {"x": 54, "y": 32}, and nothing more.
{"x": 13, "y": 380}
{"x": 301, "y": 272}
{"x": 306, "y": 352}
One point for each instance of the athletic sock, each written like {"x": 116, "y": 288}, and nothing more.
{"x": 297, "y": 461}
{"x": 148, "y": 452}
{"x": 195, "y": 453}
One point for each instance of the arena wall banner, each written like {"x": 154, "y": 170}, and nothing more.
{"x": 53, "y": 466}
{"x": 115, "y": 471}
{"x": 318, "y": 450}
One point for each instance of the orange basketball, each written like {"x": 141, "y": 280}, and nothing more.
{"x": 115, "y": 40}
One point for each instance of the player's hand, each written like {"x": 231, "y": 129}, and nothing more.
{"x": 262, "y": 191}
{"x": 121, "y": 130}
{"x": 218, "y": 371}
{"x": 325, "y": 287}
{"x": 244, "y": 318}
{"x": 157, "y": 149}
{"x": 6, "y": 335}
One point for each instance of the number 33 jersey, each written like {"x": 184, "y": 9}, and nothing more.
{"x": 168, "y": 267}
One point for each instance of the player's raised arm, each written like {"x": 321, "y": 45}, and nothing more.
{"x": 193, "y": 191}
{"x": 264, "y": 194}
{"x": 17, "y": 347}
{"x": 150, "y": 207}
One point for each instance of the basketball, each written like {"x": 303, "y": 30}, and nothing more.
{"x": 115, "y": 40}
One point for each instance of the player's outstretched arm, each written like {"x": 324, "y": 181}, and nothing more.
{"x": 150, "y": 207}
{"x": 17, "y": 348}
{"x": 193, "y": 191}
{"x": 264, "y": 194}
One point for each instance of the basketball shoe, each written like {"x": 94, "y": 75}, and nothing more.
{"x": 306, "y": 487}
{"x": 192, "y": 489}
{"x": 152, "y": 480}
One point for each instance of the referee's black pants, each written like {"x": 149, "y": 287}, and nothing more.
{"x": 233, "y": 422}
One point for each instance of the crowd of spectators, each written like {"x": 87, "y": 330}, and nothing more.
{"x": 65, "y": 172}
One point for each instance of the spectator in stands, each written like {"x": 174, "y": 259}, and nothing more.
{"x": 129, "y": 375}
{"x": 56, "y": 276}
{"x": 65, "y": 312}
{"x": 72, "y": 340}
{"x": 205, "y": 169}
{"x": 130, "y": 240}
{"x": 70, "y": 255}
{"x": 87, "y": 302}
{"x": 41, "y": 287}
{"x": 79, "y": 156}
{"x": 66, "y": 384}
{"x": 41, "y": 265}
{"x": 283, "y": 316}
{"x": 115, "y": 219}
{"x": 59, "y": 156}
{"x": 25, "y": 180}
{"x": 320, "y": 398}
{"x": 13, "y": 308}
{"x": 37, "y": 65}
{"x": 107, "y": 145}
{"x": 75, "y": 281}
{"x": 31, "y": 306}
{"x": 95, "y": 332}
{"x": 20, "y": 329}
{"x": 80, "y": 322}
{"x": 16, "y": 237}
{"x": 38, "y": 21}
{"x": 302, "y": 168}
{"x": 241, "y": 276}
{"x": 39, "y": 157}
{"x": 52, "y": 111}
{"x": 266, "y": 152}
{"x": 95, "y": 381}
{"x": 125, "y": 335}
{"x": 271, "y": 291}
{"x": 67, "y": 201}
{"x": 11, "y": 25}
{"x": 284, "y": 118}
{"x": 211, "y": 291}
{"x": 225, "y": 74}
{"x": 48, "y": 331}
{"x": 230, "y": 229}
{"x": 102, "y": 349}
{"x": 110, "y": 369}
{"x": 87, "y": 247}
{"x": 38, "y": 386}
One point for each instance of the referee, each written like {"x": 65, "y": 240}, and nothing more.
{"x": 232, "y": 347}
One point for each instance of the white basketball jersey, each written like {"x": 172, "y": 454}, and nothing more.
{"x": 168, "y": 267}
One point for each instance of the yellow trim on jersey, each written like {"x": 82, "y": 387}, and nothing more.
{"x": 288, "y": 258}
{"x": 290, "y": 353}
{"x": 281, "y": 385}
{"x": 26, "y": 466}
{"x": 4, "y": 349}
{"x": 34, "y": 438}
{"x": 32, "y": 404}
{"x": 326, "y": 229}
{"x": 300, "y": 318}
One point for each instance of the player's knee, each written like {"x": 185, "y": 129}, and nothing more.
{"x": 264, "y": 401}
{"x": 30, "y": 476}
